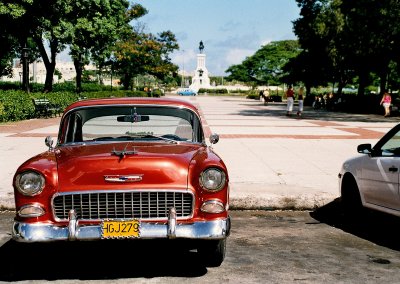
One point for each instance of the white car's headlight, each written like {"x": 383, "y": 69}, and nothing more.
{"x": 212, "y": 179}
{"x": 29, "y": 183}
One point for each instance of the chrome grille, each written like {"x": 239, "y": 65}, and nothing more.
{"x": 125, "y": 205}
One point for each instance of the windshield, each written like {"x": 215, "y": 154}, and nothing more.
{"x": 133, "y": 123}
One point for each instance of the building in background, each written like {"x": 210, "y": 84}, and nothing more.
{"x": 37, "y": 72}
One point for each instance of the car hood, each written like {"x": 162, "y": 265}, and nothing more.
{"x": 89, "y": 167}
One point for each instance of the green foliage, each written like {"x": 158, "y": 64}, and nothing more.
{"x": 15, "y": 105}
{"x": 252, "y": 96}
{"x": 61, "y": 87}
{"x": 58, "y": 87}
{"x": 9, "y": 86}
{"x": 213, "y": 91}
{"x": 157, "y": 93}
{"x": 266, "y": 65}
{"x": 95, "y": 28}
{"x": 117, "y": 94}
{"x": 237, "y": 91}
{"x": 142, "y": 53}
{"x": 344, "y": 40}
{"x": 18, "y": 105}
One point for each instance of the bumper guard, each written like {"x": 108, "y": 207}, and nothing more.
{"x": 44, "y": 232}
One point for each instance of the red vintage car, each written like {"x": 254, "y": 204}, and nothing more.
{"x": 126, "y": 168}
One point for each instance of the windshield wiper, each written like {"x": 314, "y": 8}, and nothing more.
{"x": 154, "y": 136}
{"x": 136, "y": 136}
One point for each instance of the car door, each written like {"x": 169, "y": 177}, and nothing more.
{"x": 380, "y": 173}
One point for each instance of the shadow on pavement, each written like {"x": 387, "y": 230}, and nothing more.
{"x": 373, "y": 226}
{"x": 98, "y": 260}
{"x": 279, "y": 110}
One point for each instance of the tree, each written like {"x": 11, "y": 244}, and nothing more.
{"x": 266, "y": 65}
{"x": 90, "y": 28}
{"x": 349, "y": 39}
{"x": 240, "y": 72}
{"x": 14, "y": 34}
{"x": 8, "y": 42}
{"x": 96, "y": 27}
{"x": 142, "y": 53}
{"x": 316, "y": 30}
{"x": 48, "y": 25}
{"x": 371, "y": 34}
{"x": 7, "y": 53}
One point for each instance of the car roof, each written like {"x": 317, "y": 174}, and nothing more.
{"x": 133, "y": 101}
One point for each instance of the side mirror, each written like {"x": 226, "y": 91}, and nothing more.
{"x": 214, "y": 138}
{"x": 364, "y": 148}
{"x": 49, "y": 142}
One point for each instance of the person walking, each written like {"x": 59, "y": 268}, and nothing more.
{"x": 385, "y": 102}
{"x": 266, "y": 96}
{"x": 300, "y": 99}
{"x": 290, "y": 100}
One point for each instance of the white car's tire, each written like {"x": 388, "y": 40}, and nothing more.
{"x": 350, "y": 197}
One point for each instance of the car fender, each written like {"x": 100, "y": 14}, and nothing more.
{"x": 352, "y": 167}
{"x": 206, "y": 158}
{"x": 45, "y": 164}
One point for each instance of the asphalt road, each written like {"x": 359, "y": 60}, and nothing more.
{"x": 318, "y": 246}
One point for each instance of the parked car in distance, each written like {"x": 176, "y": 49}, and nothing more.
{"x": 126, "y": 168}
{"x": 186, "y": 92}
{"x": 371, "y": 180}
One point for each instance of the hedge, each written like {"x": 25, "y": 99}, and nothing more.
{"x": 214, "y": 91}
{"x": 18, "y": 105}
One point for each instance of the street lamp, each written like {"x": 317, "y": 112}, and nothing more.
{"x": 183, "y": 69}
{"x": 25, "y": 70}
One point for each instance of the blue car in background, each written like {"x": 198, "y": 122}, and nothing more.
{"x": 186, "y": 92}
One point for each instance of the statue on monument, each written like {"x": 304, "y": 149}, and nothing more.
{"x": 201, "y": 46}
{"x": 200, "y": 78}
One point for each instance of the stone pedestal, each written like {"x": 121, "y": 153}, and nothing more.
{"x": 200, "y": 78}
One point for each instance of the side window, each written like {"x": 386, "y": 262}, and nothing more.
{"x": 74, "y": 129}
{"x": 392, "y": 146}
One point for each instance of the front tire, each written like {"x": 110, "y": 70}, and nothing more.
{"x": 212, "y": 252}
{"x": 350, "y": 198}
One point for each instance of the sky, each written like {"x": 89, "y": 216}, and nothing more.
{"x": 231, "y": 30}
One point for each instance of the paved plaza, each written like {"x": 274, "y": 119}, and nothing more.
{"x": 274, "y": 161}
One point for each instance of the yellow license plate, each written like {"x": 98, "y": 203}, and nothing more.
{"x": 121, "y": 229}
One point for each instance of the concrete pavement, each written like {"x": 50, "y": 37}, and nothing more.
{"x": 274, "y": 161}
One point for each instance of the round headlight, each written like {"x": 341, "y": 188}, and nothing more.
{"x": 29, "y": 183}
{"x": 212, "y": 179}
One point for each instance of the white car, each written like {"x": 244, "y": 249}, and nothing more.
{"x": 372, "y": 179}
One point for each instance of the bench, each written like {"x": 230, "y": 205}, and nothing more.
{"x": 43, "y": 107}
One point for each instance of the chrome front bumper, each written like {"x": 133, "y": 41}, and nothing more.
{"x": 44, "y": 232}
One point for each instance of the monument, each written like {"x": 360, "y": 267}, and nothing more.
{"x": 200, "y": 78}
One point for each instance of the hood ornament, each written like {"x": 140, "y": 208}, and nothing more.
{"x": 123, "y": 153}
{"x": 123, "y": 178}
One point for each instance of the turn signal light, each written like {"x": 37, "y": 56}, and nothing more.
{"x": 31, "y": 210}
{"x": 212, "y": 206}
